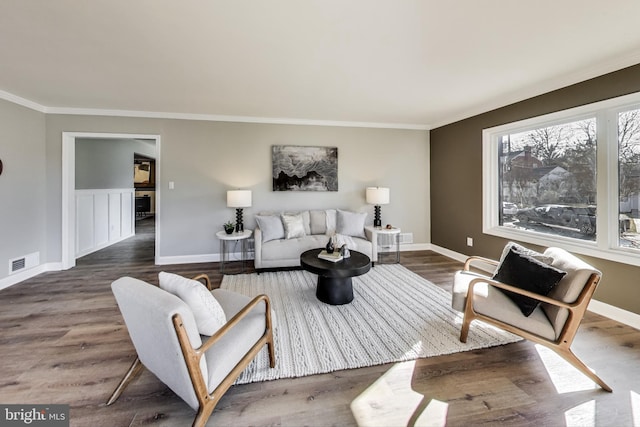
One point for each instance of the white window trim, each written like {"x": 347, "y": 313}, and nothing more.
{"x": 606, "y": 243}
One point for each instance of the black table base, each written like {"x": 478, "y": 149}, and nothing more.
{"x": 334, "y": 278}
{"x": 335, "y": 291}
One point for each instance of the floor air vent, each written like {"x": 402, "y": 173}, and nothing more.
{"x": 24, "y": 262}
{"x": 18, "y": 264}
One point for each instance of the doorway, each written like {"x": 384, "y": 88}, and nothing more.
{"x": 68, "y": 237}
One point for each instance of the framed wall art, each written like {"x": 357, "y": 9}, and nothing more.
{"x": 304, "y": 168}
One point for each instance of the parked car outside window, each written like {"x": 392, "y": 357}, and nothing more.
{"x": 578, "y": 218}
{"x": 509, "y": 209}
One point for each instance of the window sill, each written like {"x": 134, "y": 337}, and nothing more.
{"x": 589, "y": 248}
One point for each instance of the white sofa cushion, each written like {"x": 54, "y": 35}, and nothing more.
{"x": 207, "y": 311}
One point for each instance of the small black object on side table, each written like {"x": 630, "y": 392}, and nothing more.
{"x": 334, "y": 278}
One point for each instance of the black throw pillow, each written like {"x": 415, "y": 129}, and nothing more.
{"x": 527, "y": 273}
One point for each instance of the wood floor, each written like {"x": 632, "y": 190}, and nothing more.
{"x": 63, "y": 341}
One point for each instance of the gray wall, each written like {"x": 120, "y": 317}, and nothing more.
{"x": 103, "y": 164}
{"x": 22, "y": 191}
{"x": 456, "y": 159}
{"x": 107, "y": 163}
{"x": 205, "y": 159}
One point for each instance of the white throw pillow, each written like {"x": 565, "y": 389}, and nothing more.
{"x": 331, "y": 221}
{"x": 293, "y": 226}
{"x": 207, "y": 311}
{"x": 351, "y": 223}
{"x": 271, "y": 227}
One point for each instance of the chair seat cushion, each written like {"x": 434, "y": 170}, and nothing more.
{"x": 491, "y": 302}
{"x": 231, "y": 348}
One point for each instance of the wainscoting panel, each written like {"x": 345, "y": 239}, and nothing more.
{"x": 103, "y": 217}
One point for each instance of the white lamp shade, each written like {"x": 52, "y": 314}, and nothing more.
{"x": 377, "y": 195}
{"x": 239, "y": 198}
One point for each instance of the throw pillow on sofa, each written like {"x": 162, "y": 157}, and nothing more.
{"x": 351, "y": 223}
{"x": 293, "y": 226}
{"x": 318, "y": 222}
{"x": 271, "y": 227}
{"x": 207, "y": 311}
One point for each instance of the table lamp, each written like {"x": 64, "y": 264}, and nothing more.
{"x": 377, "y": 196}
{"x": 239, "y": 199}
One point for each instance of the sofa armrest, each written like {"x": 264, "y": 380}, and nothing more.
{"x": 372, "y": 236}
{"x": 257, "y": 246}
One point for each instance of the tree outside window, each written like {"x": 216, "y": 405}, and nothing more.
{"x": 549, "y": 173}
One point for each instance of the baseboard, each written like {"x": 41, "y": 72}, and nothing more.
{"x": 28, "y": 274}
{"x": 612, "y": 312}
{"x": 615, "y": 313}
{"x": 405, "y": 247}
{"x": 103, "y": 245}
{"x": 194, "y": 259}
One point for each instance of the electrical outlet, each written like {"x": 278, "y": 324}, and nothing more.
{"x": 469, "y": 241}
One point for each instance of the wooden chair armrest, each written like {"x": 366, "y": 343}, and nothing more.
{"x": 519, "y": 291}
{"x": 237, "y": 318}
{"x": 471, "y": 259}
{"x": 204, "y": 278}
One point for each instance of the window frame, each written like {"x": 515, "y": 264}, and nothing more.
{"x": 606, "y": 244}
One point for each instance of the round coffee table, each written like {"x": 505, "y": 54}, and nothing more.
{"x": 334, "y": 278}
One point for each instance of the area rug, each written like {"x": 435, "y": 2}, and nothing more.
{"x": 395, "y": 315}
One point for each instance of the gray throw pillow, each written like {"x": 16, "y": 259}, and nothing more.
{"x": 350, "y": 223}
{"x": 318, "y": 220}
{"x": 271, "y": 227}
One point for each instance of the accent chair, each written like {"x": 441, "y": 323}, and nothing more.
{"x": 165, "y": 334}
{"x": 555, "y": 310}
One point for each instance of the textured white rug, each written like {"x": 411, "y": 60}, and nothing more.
{"x": 395, "y": 315}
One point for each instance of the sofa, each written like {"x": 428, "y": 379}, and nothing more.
{"x": 280, "y": 238}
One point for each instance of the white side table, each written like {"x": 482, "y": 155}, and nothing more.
{"x": 388, "y": 242}
{"x": 225, "y": 239}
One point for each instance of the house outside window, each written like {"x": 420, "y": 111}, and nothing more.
{"x": 549, "y": 173}
{"x": 569, "y": 179}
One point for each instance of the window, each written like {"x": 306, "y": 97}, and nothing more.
{"x": 549, "y": 174}
{"x": 629, "y": 178}
{"x": 570, "y": 178}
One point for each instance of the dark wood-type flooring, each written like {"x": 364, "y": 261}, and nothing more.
{"x": 63, "y": 341}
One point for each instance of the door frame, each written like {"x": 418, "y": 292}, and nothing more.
{"x": 69, "y": 186}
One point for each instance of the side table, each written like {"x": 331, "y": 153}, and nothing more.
{"x": 225, "y": 239}
{"x": 388, "y": 244}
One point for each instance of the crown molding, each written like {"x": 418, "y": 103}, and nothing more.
{"x": 235, "y": 119}
{"x": 22, "y": 101}
{"x": 202, "y": 117}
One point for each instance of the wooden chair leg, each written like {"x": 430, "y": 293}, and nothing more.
{"x": 570, "y": 357}
{"x": 204, "y": 412}
{"x": 134, "y": 370}
{"x": 464, "y": 331}
{"x": 272, "y": 354}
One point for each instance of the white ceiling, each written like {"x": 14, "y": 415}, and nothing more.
{"x": 394, "y": 62}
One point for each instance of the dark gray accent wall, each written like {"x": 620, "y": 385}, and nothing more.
{"x": 456, "y": 178}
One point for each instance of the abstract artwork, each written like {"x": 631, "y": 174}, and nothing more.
{"x": 303, "y": 168}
